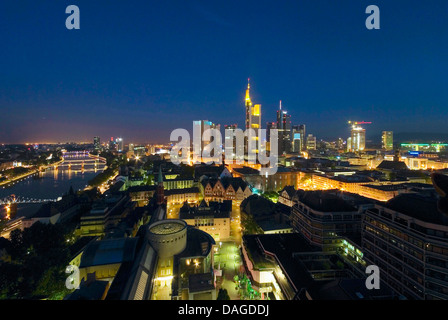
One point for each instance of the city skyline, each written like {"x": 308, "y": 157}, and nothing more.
{"x": 128, "y": 79}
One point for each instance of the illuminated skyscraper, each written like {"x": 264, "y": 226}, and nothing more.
{"x": 357, "y": 141}
{"x": 284, "y": 130}
{"x": 200, "y": 126}
{"x": 358, "y": 138}
{"x": 119, "y": 143}
{"x": 253, "y": 121}
{"x": 387, "y": 140}
{"x": 302, "y": 131}
{"x": 269, "y": 126}
{"x": 297, "y": 138}
{"x": 311, "y": 142}
{"x": 112, "y": 144}
{"x": 230, "y": 142}
{"x": 96, "y": 143}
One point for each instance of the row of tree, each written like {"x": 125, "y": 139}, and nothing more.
{"x": 38, "y": 258}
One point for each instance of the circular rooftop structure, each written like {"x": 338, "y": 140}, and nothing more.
{"x": 168, "y": 237}
{"x": 167, "y": 227}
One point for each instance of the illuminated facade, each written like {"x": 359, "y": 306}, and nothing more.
{"x": 96, "y": 143}
{"x": 119, "y": 143}
{"x": 177, "y": 196}
{"x": 225, "y": 189}
{"x": 311, "y": 142}
{"x": 387, "y": 140}
{"x": 284, "y": 130}
{"x": 298, "y": 136}
{"x": 406, "y": 239}
{"x": 358, "y": 139}
{"x": 324, "y": 219}
{"x": 199, "y": 143}
{"x": 213, "y": 218}
{"x": 253, "y": 121}
{"x": 432, "y": 147}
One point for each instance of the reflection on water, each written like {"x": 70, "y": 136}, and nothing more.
{"x": 52, "y": 183}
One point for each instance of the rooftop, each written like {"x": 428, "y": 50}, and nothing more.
{"x": 418, "y": 206}
{"x": 392, "y": 165}
{"x": 141, "y": 188}
{"x": 215, "y": 209}
{"x": 324, "y": 201}
{"x": 167, "y": 227}
{"x": 200, "y": 282}
{"x": 108, "y": 251}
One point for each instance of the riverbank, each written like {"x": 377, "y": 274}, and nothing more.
{"x": 34, "y": 170}
{"x": 10, "y": 182}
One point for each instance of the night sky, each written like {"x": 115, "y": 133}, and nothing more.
{"x": 139, "y": 69}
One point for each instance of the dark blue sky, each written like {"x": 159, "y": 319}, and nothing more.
{"x": 140, "y": 69}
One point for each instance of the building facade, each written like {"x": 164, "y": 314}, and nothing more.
{"x": 407, "y": 239}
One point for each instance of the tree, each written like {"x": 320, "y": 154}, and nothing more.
{"x": 223, "y": 295}
{"x": 39, "y": 256}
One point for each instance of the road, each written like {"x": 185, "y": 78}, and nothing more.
{"x": 228, "y": 259}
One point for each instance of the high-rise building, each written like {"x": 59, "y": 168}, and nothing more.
{"x": 230, "y": 142}
{"x": 358, "y": 138}
{"x": 269, "y": 126}
{"x": 349, "y": 144}
{"x": 387, "y": 140}
{"x": 340, "y": 144}
{"x": 406, "y": 238}
{"x": 302, "y": 131}
{"x": 298, "y": 138}
{"x": 201, "y": 126}
{"x": 311, "y": 142}
{"x": 119, "y": 143}
{"x": 253, "y": 121}
{"x": 96, "y": 143}
{"x": 284, "y": 130}
{"x": 112, "y": 144}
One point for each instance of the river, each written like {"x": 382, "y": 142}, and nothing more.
{"x": 51, "y": 185}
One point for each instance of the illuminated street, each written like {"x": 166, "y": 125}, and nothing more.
{"x": 228, "y": 259}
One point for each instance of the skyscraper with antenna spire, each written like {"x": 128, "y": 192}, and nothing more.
{"x": 253, "y": 121}
{"x": 284, "y": 130}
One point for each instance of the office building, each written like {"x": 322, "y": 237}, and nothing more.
{"x": 297, "y": 138}
{"x": 119, "y": 143}
{"x": 311, "y": 142}
{"x": 230, "y": 142}
{"x": 284, "y": 130}
{"x": 96, "y": 143}
{"x": 112, "y": 144}
{"x": 324, "y": 218}
{"x": 407, "y": 239}
{"x": 358, "y": 139}
{"x": 199, "y": 143}
{"x": 253, "y": 121}
{"x": 387, "y": 140}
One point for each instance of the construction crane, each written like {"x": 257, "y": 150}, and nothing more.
{"x": 354, "y": 123}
